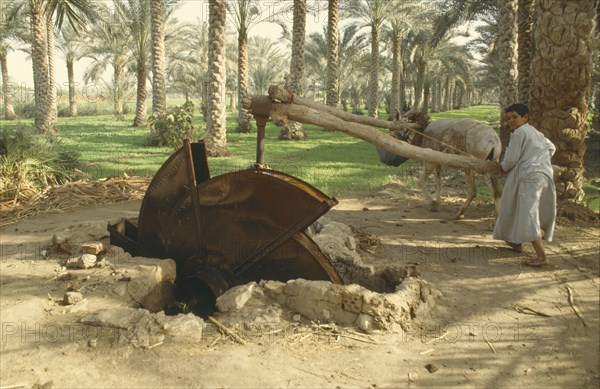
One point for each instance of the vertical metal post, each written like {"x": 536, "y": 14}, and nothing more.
{"x": 261, "y": 123}
{"x": 261, "y": 109}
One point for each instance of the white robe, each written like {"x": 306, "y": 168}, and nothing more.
{"x": 528, "y": 204}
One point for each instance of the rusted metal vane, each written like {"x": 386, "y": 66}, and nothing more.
{"x": 227, "y": 230}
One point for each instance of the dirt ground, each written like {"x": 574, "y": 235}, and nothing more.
{"x": 496, "y": 324}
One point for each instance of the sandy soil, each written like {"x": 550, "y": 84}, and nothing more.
{"x": 497, "y": 324}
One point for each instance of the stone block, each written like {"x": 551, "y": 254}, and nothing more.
{"x": 94, "y": 248}
{"x": 235, "y": 298}
{"x": 152, "y": 283}
{"x": 71, "y": 298}
{"x": 184, "y": 328}
{"x": 365, "y": 322}
{"x": 352, "y": 298}
{"x": 83, "y": 262}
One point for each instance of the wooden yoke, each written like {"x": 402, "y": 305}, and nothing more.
{"x": 286, "y": 105}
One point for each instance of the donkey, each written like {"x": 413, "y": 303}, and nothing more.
{"x": 458, "y": 136}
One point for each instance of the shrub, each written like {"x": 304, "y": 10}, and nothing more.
{"x": 173, "y": 127}
{"x": 29, "y": 163}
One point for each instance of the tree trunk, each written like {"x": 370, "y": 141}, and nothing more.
{"x": 71, "y": 79}
{"x": 52, "y": 93}
{"x": 159, "y": 90}
{"x": 9, "y": 110}
{"x": 426, "y": 96}
{"x": 140, "y": 100}
{"x": 446, "y": 103}
{"x": 374, "y": 74}
{"x": 440, "y": 93}
{"x": 421, "y": 69}
{"x": 294, "y": 130}
{"x": 118, "y": 92}
{"x": 560, "y": 88}
{"x": 508, "y": 70}
{"x": 395, "y": 100}
{"x": 216, "y": 134}
{"x": 39, "y": 56}
{"x": 524, "y": 40}
{"x": 244, "y": 118}
{"x": 333, "y": 42}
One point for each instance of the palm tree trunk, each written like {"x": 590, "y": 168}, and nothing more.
{"x": 426, "y": 96}
{"x": 560, "y": 85}
{"x": 244, "y": 122}
{"x": 507, "y": 48}
{"x": 421, "y": 69}
{"x": 71, "y": 79}
{"x": 374, "y": 75}
{"x": 39, "y": 55}
{"x": 118, "y": 92}
{"x": 53, "y": 109}
{"x": 440, "y": 106}
{"x": 333, "y": 42}
{"x": 447, "y": 93}
{"x": 140, "y": 100}
{"x": 216, "y": 134}
{"x": 159, "y": 90}
{"x": 294, "y": 130}
{"x": 395, "y": 107}
{"x": 524, "y": 40}
{"x": 9, "y": 110}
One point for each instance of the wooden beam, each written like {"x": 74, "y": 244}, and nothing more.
{"x": 305, "y": 114}
{"x": 279, "y": 94}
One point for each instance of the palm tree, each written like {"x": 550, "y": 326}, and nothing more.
{"x": 560, "y": 85}
{"x": 333, "y": 38}
{"x": 596, "y": 75}
{"x": 294, "y": 130}
{"x": 373, "y": 14}
{"x": 268, "y": 66}
{"x": 109, "y": 43}
{"x": 216, "y": 131}
{"x": 188, "y": 68}
{"x": 404, "y": 18}
{"x": 135, "y": 14}
{"x": 487, "y": 75}
{"x": 244, "y": 14}
{"x": 51, "y": 46}
{"x": 351, "y": 46}
{"x": 40, "y": 11}
{"x": 71, "y": 48}
{"x": 507, "y": 50}
{"x": 352, "y": 62}
{"x": 7, "y": 28}
{"x": 159, "y": 91}
{"x": 526, "y": 10}
{"x": 39, "y": 56}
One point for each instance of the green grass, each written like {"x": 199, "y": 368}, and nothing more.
{"x": 489, "y": 114}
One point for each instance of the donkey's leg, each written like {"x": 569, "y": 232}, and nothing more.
{"x": 471, "y": 192}
{"x": 495, "y": 186}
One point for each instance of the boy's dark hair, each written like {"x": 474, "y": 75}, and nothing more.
{"x": 519, "y": 108}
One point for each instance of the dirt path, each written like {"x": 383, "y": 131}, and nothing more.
{"x": 497, "y": 324}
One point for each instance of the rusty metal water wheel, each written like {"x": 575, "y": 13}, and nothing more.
{"x": 226, "y": 230}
